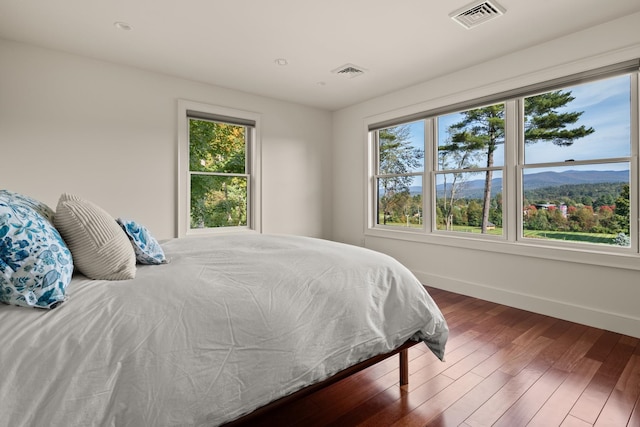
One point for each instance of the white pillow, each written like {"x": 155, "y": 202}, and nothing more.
{"x": 100, "y": 249}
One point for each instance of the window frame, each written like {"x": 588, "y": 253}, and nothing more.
{"x": 436, "y": 170}
{"x": 512, "y": 241}
{"x": 197, "y": 110}
{"x": 377, "y": 175}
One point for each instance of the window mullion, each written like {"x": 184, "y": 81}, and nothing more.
{"x": 512, "y": 199}
{"x": 428, "y": 181}
{"x": 634, "y": 179}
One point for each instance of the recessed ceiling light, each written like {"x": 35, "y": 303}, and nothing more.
{"x": 281, "y": 61}
{"x": 122, "y": 26}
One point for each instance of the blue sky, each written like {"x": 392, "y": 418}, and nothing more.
{"x": 606, "y": 107}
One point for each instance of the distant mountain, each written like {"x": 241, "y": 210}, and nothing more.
{"x": 473, "y": 189}
{"x": 553, "y": 179}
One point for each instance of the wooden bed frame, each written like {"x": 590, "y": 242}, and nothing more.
{"x": 403, "y": 351}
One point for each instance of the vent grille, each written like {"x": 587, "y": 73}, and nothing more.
{"x": 349, "y": 71}
{"x": 477, "y": 13}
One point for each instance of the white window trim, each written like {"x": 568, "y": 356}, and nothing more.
{"x": 254, "y": 185}
{"x": 511, "y": 243}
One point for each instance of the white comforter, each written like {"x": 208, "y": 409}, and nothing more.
{"x": 230, "y": 324}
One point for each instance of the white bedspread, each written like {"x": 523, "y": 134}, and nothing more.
{"x": 230, "y": 324}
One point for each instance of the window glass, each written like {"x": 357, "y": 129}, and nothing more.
{"x": 218, "y": 183}
{"x": 401, "y": 149}
{"x": 576, "y": 195}
{"x": 460, "y": 203}
{"x": 579, "y": 204}
{"x": 218, "y": 201}
{"x": 400, "y": 201}
{"x": 584, "y": 122}
{"x": 471, "y": 139}
{"x": 471, "y": 149}
{"x": 566, "y": 182}
{"x": 216, "y": 147}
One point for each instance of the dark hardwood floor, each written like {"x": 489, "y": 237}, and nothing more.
{"x": 504, "y": 367}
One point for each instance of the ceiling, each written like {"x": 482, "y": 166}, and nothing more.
{"x": 236, "y": 43}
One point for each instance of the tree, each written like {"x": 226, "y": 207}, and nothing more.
{"x": 482, "y": 129}
{"x": 396, "y": 157}
{"x": 621, "y": 210}
{"x": 495, "y": 214}
{"x": 217, "y": 148}
{"x": 474, "y": 213}
{"x": 451, "y": 156}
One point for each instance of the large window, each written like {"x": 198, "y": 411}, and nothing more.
{"x": 576, "y": 165}
{"x": 217, "y": 168}
{"x": 550, "y": 165}
{"x": 469, "y": 170}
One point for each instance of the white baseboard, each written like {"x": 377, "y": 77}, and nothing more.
{"x": 589, "y": 316}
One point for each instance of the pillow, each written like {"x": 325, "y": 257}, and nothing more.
{"x": 146, "y": 247}
{"x": 27, "y": 202}
{"x": 35, "y": 264}
{"x": 99, "y": 247}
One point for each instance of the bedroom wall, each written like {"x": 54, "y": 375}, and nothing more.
{"x": 108, "y": 133}
{"x": 604, "y": 297}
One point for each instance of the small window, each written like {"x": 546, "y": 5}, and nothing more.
{"x": 399, "y": 176}
{"x": 218, "y": 167}
{"x": 218, "y": 170}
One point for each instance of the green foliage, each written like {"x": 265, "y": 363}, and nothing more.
{"x": 543, "y": 122}
{"x": 474, "y": 214}
{"x": 622, "y": 209}
{"x": 590, "y": 208}
{"x": 216, "y": 147}
{"x": 572, "y": 237}
{"x": 482, "y": 129}
{"x": 550, "y": 221}
{"x": 218, "y": 194}
{"x": 396, "y": 156}
{"x": 622, "y": 240}
{"x": 595, "y": 194}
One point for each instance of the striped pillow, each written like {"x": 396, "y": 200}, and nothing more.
{"x": 100, "y": 249}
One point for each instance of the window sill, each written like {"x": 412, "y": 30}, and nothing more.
{"x": 199, "y": 232}
{"x": 592, "y": 256}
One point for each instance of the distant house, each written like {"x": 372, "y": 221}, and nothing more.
{"x": 552, "y": 206}
{"x": 545, "y": 206}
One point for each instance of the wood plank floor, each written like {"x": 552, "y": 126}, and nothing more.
{"x": 504, "y": 367}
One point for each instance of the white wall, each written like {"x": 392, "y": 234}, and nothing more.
{"x": 601, "y": 296}
{"x": 108, "y": 133}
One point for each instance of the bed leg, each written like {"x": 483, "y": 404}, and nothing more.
{"x": 404, "y": 367}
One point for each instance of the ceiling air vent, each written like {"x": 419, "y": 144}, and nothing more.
{"x": 477, "y": 13}
{"x": 349, "y": 71}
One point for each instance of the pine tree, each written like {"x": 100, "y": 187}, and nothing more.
{"x": 482, "y": 129}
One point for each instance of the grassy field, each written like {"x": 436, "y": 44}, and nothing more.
{"x": 599, "y": 238}
{"x": 497, "y": 231}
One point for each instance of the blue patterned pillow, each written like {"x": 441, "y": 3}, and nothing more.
{"x": 146, "y": 247}
{"x": 35, "y": 263}
{"x": 28, "y": 202}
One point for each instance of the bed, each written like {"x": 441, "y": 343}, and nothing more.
{"x": 223, "y": 326}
